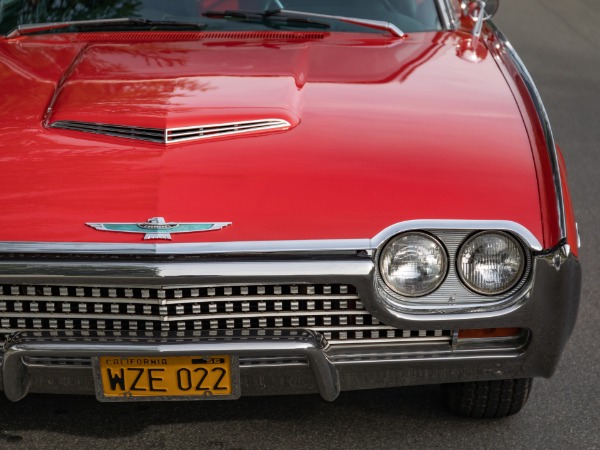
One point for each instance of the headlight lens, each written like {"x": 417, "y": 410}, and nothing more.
{"x": 414, "y": 264}
{"x": 491, "y": 263}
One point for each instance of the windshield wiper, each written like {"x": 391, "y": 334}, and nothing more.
{"x": 375, "y": 24}
{"x": 265, "y": 17}
{"x": 100, "y": 23}
{"x": 305, "y": 18}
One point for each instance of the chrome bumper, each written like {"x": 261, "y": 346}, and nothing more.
{"x": 316, "y": 367}
{"x": 17, "y": 380}
{"x": 548, "y": 313}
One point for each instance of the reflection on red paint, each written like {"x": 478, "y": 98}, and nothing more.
{"x": 385, "y": 130}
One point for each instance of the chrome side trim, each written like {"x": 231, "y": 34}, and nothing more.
{"x": 251, "y": 247}
{"x": 545, "y": 122}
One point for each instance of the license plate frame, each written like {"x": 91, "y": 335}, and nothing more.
{"x": 127, "y": 396}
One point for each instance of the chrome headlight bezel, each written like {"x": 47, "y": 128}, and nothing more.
{"x": 524, "y": 260}
{"x": 444, "y": 272}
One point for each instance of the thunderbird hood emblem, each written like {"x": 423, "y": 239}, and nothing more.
{"x": 157, "y": 228}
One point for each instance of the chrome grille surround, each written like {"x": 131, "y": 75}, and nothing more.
{"x": 174, "y": 135}
{"x": 334, "y": 310}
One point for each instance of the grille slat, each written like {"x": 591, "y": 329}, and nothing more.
{"x": 145, "y": 301}
{"x": 335, "y": 310}
{"x": 174, "y": 317}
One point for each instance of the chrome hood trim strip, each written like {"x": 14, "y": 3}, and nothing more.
{"x": 545, "y": 123}
{"x": 257, "y": 247}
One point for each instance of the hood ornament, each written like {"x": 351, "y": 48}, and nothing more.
{"x": 157, "y": 228}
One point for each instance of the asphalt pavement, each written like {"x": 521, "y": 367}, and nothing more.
{"x": 559, "y": 40}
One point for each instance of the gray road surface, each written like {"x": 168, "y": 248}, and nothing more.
{"x": 560, "y": 42}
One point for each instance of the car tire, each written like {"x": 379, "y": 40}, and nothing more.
{"x": 487, "y": 399}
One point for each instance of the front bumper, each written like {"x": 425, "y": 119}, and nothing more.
{"x": 299, "y": 361}
{"x": 273, "y": 361}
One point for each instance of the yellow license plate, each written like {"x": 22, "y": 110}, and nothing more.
{"x": 166, "y": 378}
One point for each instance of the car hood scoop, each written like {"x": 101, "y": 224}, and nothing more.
{"x": 113, "y": 91}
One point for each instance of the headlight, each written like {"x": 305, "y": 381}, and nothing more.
{"x": 414, "y": 264}
{"x": 491, "y": 263}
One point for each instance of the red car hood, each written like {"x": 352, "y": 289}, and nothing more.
{"x": 383, "y": 131}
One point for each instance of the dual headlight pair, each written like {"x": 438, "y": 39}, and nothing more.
{"x": 415, "y": 264}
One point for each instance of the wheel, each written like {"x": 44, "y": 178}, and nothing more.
{"x": 487, "y": 399}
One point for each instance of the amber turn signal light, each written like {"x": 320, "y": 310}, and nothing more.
{"x": 486, "y": 333}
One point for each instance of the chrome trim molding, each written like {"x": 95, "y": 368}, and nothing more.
{"x": 174, "y": 135}
{"x": 447, "y": 14}
{"x": 545, "y": 123}
{"x": 171, "y": 274}
{"x": 325, "y": 246}
{"x": 474, "y": 225}
{"x": 322, "y": 246}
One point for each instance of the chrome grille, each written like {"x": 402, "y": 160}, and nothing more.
{"x": 172, "y": 135}
{"x": 333, "y": 310}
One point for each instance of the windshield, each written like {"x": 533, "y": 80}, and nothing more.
{"x": 407, "y": 15}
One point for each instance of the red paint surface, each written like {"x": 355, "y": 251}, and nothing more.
{"x": 539, "y": 146}
{"x": 387, "y": 130}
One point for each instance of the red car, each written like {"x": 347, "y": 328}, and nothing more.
{"x": 203, "y": 199}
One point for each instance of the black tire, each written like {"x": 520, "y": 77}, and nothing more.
{"x": 487, "y": 399}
